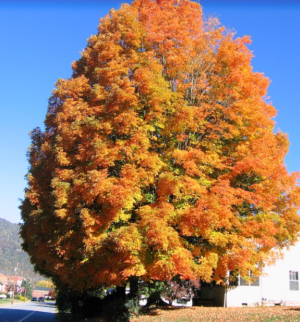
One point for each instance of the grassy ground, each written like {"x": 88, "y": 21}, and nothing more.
{"x": 212, "y": 314}
{"x": 2, "y": 301}
{"x": 8, "y": 301}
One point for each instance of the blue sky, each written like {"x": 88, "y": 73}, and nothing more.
{"x": 40, "y": 39}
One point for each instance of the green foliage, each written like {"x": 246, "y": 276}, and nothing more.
{"x": 78, "y": 304}
{"x": 63, "y": 301}
{"x": 152, "y": 290}
{"x": 133, "y": 308}
{"x": 115, "y": 309}
{"x": 73, "y": 306}
{"x": 27, "y": 284}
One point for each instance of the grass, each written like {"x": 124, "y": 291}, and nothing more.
{"x": 3, "y": 301}
{"x": 8, "y": 301}
{"x": 213, "y": 314}
{"x": 217, "y": 314}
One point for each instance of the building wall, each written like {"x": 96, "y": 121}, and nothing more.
{"x": 37, "y": 293}
{"x": 243, "y": 295}
{"x": 274, "y": 285}
{"x": 270, "y": 289}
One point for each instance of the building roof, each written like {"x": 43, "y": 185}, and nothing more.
{"x": 42, "y": 288}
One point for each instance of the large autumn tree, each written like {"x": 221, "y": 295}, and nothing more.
{"x": 159, "y": 157}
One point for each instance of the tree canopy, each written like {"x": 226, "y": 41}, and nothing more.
{"x": 159, "y": 157}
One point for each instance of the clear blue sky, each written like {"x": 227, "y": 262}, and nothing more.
{"x": 40, "y": 40}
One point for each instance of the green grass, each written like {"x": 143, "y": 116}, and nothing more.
{"x": 2, "y": 301}
{"x": 8, "y": 301}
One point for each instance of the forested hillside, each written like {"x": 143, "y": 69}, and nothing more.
{"x": 13, "y": 260}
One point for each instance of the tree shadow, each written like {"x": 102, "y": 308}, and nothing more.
{"x": 293, "y": 309}
{"x": 154, "y": 311}
{"x": 46, "y": 304}
{"x": 12, "y": 314}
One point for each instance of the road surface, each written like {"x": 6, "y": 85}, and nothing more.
{"x": 28, "y": 312}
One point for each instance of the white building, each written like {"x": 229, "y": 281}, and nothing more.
{"x": 278, "y": 286}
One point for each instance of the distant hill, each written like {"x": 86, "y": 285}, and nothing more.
{"x": 13, "y": 260}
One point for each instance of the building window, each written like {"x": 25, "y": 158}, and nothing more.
{"x": 294, "y": 281}
{"x": 246, "y": 283}
{"x": 243, "y": 282}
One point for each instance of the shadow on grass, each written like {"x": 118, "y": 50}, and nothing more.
{"x": 68, "y": 317}
{"x": 153, "y": 311}
{"x": 107, "y": 314}
{"x": 65, "y": 317}
{"x": 292, "y": 309}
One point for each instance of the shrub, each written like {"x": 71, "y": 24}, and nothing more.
{"x": 21, "y": 298}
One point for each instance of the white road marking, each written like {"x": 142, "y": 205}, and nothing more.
{"x": 26, "y": 317}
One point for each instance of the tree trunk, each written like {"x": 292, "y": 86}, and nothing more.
{"x": 134, "y": 286}
{"x": 134, "y": 289}
{"x": 76, "y": 305}
{"x": 153, "y": 299}
{"x": 121, "y": 292}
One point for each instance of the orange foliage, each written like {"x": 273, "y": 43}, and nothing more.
{"x": 159, "y": 157}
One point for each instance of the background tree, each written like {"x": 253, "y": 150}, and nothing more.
{"x": 44, "y": 283}
{"x": 10, "y": 287}
{"x": 26, "y": 288}
{"x": 159, "y": 157}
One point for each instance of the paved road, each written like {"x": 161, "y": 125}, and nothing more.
{"x": 28, "y": 312}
